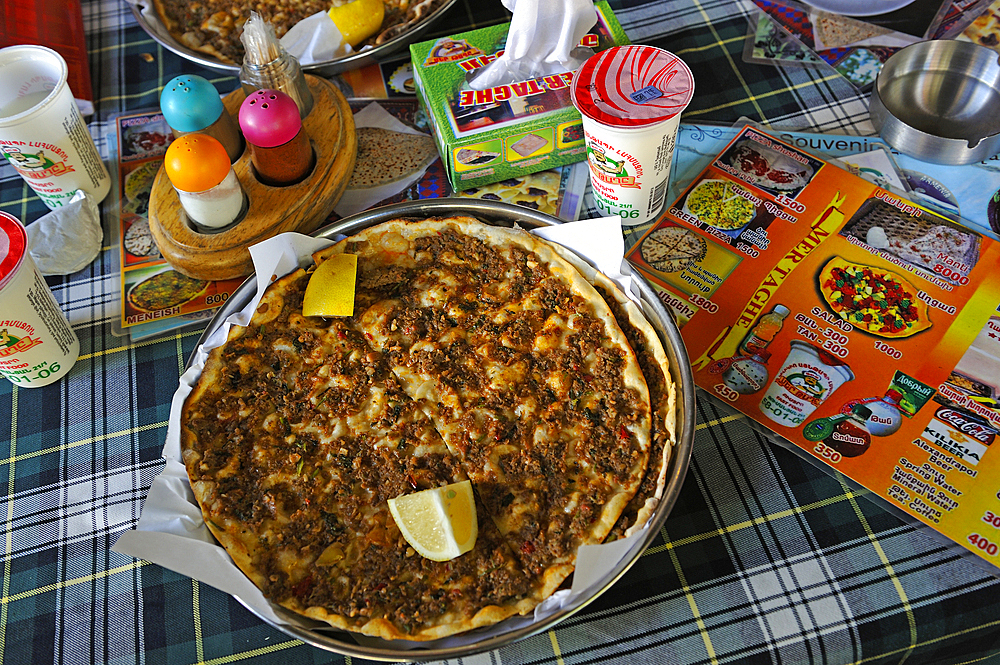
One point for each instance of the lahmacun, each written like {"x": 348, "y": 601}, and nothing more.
{"x": 474, "y": 352}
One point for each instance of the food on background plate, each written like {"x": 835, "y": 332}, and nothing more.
{"x": 386, "y": 156}
{"x": 672, "y": 248}
{"x": 722, "y": 204}
{"x": 475, "y": 353}
{"x": 213, "y": 27}
{"x": 875, "y": 300}
{"x": 164, "y": 290}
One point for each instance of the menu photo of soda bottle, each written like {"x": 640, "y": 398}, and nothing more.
{"x": 747, "y": 371}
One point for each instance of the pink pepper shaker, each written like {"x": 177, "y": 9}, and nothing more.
{"x": 279, "y": 146}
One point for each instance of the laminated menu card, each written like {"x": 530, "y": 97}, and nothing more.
{"x": 155, "y": 297}
{"x": 858, "y": 326}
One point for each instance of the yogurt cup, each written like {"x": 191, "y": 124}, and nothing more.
{"x": 806, "y": 379}
{"x": 631, "y": 99}
{"x": 42, "y": 133}
{"x": 37, "y": 344}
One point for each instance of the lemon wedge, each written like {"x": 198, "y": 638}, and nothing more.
{"x": 330, "y": 291}
{"x": 358, "y": 20}
{"x": 439, "y": 523}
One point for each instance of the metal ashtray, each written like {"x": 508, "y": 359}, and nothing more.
{"x": 937, "y": 101}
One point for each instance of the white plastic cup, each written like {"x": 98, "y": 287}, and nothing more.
{"x": 631, "y": 99}
{"x": 42, "y": 133}
{"x": 37, "y": 344}
{"x": 806, "y": 379}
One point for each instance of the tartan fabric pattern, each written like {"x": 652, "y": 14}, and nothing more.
{"x": 764, "y": 558}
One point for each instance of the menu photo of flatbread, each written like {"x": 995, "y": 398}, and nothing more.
{"x": 529, "y": 144}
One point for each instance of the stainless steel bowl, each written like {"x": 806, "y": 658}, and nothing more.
{"x": 501, "y": 214}
{"x": 939, "y": 101}
{"x": 151, "y": 23}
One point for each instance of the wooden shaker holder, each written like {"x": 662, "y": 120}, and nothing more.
{"x": 302, "y": 207}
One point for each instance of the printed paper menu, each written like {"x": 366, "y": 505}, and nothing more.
{"x": 859, "y": 326}
{"x": 155, "y": 297}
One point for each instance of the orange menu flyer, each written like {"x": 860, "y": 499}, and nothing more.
{"x": 860, "y": 327}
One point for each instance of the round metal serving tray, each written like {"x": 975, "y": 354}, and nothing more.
{"x": 500, "y": 214}
{"x": 154, "y": 27}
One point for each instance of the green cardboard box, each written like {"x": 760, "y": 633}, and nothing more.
{"x": 485, "y": 136}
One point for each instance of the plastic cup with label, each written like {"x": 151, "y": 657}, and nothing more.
{"x": 42, "y": 133}
{"x": 631, "y": 99}
{"x": 805, "y": 380}
{"x": 37, "y": 344}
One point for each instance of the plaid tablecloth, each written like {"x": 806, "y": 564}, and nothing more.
{"x": 764, "y": 559}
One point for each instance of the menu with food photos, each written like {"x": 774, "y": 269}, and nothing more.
{"x": 156, "y": 298}
{"x": 858, "y": 326}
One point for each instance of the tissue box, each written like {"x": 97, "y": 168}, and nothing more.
{"x": 485, "y": 136}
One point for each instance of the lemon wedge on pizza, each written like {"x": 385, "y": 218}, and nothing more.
{"x": 439, "y": 523}
{"x": 357, "y": 20}
{"x": 330, "y": 291}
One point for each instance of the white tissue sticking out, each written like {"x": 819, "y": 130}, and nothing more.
{"x": 877, "y": 238}
{"x": 68, "y": 238}
{"x": 315, "y": 39}
{"x": 541, "y": 41}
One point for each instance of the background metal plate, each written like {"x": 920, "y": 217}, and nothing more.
{"x": 501, "y": 214}
{"x": 153, "y": 26}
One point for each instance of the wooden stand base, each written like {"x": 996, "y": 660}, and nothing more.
{"x": 301, "y": 207}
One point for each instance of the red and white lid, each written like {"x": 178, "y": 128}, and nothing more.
{"x": 632, "y": 86}
{"x": 13, "y": 246}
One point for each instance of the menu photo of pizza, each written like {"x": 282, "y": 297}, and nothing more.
{"x": 769, "y": 165}
{"x": 683, "y": 259}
